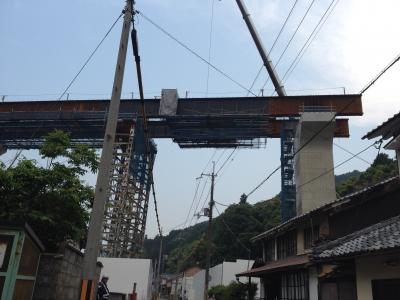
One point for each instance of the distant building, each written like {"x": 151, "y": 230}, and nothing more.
{"x": 123, "y": 273}
{"x": 347, "y": 249}
{"x": 222, "y": 274}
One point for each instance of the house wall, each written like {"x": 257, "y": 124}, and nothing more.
{"x": 222, "y": 274}
{"x": 365, "y": 215}
{"x": 370, "y": 268}
{"x": 313, "y": 283}
{"x": 59, "y": 275}
{"x": 123, "y": 272}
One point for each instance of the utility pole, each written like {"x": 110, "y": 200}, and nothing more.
{"x": 101, "y": 192}
{"x": 261, "y": 49}
{"x": 159, "y": 268}
{"x": 210, "y": 215}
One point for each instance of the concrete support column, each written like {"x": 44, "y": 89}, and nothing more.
{"x": 315, "y": 180}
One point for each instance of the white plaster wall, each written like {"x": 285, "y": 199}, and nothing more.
{"x": 123, "y": 272}
{"x": 371, "y": 268}
{"x": 223, "y": 274}
{"x": 313, "y": 283}
{"x": 197, "y": 292}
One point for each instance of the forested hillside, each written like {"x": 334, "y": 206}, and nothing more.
{"x": 233, "y": 229}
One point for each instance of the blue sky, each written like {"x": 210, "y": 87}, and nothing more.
{"x": 44, "y": 43}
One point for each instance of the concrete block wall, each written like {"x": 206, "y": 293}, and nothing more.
{"x": 59, "y": 275}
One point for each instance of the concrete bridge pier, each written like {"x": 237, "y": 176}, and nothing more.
{"x": 315, "y": 180}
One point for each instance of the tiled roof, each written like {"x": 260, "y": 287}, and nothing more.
{"x": 273, "y": 266}
{"x": 381, "y": 236}
{"x": 328, "y": 206}
{"x": 385, "y": 129}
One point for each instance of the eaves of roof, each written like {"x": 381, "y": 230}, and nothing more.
{"x": 277, "y": 265}
{"x": 386, "y": 129}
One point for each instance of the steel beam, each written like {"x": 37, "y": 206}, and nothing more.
{"x": 289, "y": 106}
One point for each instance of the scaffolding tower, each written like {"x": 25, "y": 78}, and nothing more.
{"x": 288, "y": 185}
{"x": 129, "y": 190}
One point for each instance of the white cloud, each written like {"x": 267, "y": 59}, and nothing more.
{"x": 359, "y": 39}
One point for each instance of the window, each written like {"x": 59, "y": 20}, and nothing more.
{"x": 311, "y": 234}
{"x": 294, "y": 286}
{"x": 287, "y": 244}
{"x": 270, "y": 250}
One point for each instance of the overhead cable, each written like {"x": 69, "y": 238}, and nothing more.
{"x": 274, "y": 43}
{"x": 392, "y": 63}
{"x": 291, "y": 39}
{"x": 210, "y": 44}
{"x": 17, "y": 155}
{"x": 194, "y": 53}
{"x": 311, "y": 35}
{"x": 90, "y": 57}
{"x": 340, "y": 164}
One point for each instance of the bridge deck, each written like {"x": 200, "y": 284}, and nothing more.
{"x": 201, "y": 121}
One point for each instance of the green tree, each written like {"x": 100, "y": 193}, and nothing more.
{"x": 382, "y": 168}
{"x": 53, "y": 199}
{"x": 233, "y": 291}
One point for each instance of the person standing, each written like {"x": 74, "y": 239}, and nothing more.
{"x": 102, "y": 289}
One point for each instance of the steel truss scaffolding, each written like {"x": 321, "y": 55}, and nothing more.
{"x": 129, "y": 190}
{"x": 288, "y": 194}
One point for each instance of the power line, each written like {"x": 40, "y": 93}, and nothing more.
{"x": 194, "y": 53}
{"x": 226, "y": 160}
{"x": 395, "y": 60}
{"x": 311, "y": 35}
{"x": 193, "y": 201}
{"x": 314, "y": 37}
{"x": 230, "y": 230}
{"x": 291, "y": 38}
{"x": 328, "y": 122}
{"x": 17, "y": 155}
{"x": 342, "y": 163}
{"x": 90, "y": 56}
{"x": 210, "y": 43}
{"x": 274, "y": 43}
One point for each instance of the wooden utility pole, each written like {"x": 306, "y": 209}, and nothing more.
{"x": 103, "y": 177}
{"x": 209, "y": 230}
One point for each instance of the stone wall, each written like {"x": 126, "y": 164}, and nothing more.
{"x": 59, "y": 275}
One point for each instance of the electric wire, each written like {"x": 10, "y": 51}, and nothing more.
{"x": 371, "y": 83}
{"x": 230, "y": 230}
{"x": 193, "y": 201}
{"x": 340, "y": 164}
{"x": 392, "y": 63}
{"x": 19, "y": 152}
{"x": 90, "y": 57}
{"x": 290, "y": 40}
{"x": 210, "y": 44}
{"x": 194, "y": 53}
{"x": 311, "y": 35}
{"x": 274, "y": 43}
{"x": 313, "y": 38}
{"x": 226, "y": 160}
